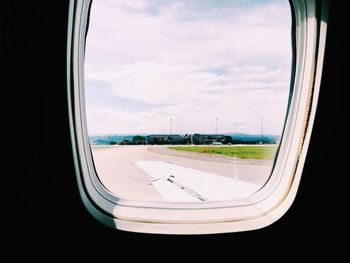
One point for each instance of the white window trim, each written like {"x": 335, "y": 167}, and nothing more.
{"x": 253, "y": 212}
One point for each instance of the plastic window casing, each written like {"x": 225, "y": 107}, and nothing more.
{"x": 253, "y": 212}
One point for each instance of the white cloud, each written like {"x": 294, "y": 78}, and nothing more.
{"x": 192, "y": 65}
{"x": 111, "y": 121}
{"x": 134, "y": 4}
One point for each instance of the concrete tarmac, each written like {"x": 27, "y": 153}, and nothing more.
{"x": 117, "y": 169}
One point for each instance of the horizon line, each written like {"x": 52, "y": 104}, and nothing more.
{"x": 224, "y": 133}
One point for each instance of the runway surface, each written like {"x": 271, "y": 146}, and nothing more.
{"x": 155, "y": 173}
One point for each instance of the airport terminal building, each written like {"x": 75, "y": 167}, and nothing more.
{"x": 196, "y": 139}
{"x": 165, "y": 139}
{"x": 210, "y": 138}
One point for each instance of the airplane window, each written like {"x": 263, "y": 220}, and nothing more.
{"x": 186, "y": 100}
{"x": 192, "y": 117}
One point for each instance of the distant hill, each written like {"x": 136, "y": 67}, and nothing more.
{"x": 253, "y": 138}
{"x": 109, "y": 139}
{"x": 237, "y": 138}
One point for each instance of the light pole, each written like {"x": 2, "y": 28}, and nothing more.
{"x": 262, "y": 128}
{"x": 171, "y": 126}
{"x": 216, "y": 122}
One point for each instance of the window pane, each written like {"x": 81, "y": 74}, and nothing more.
{"x": 186, "y": 100}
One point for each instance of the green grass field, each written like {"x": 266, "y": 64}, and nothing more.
{"x": 244, "y": 152}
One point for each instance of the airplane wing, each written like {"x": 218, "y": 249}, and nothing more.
{"x": 180, "y": 184}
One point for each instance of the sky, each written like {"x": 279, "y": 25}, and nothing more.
{"x": 187, "y": 66}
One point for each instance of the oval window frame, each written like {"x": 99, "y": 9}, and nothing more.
{"x": 253, "y": 212}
